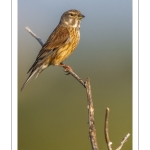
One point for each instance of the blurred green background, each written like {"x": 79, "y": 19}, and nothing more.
{"x": 52, "y": 110}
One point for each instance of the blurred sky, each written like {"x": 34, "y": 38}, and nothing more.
{"x": 52, "y": 111}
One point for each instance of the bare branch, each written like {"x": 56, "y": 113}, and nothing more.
{"x": 123, "y": 141}
{"x": 92, "y": 130}
{"x": 70, "y": 71}
{"x": 34, "y": 35}
{"x": 109, "y": 143}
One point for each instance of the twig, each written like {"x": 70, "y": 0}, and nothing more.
{"x": 70, "y": 71}
{"x": 123, "y": 141}
{"x": 34, "y": 35}
{"x": 109, "y": 143}
{"x": 92, "y": 130}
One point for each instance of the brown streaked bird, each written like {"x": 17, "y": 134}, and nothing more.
{"x": 60, "y": 44}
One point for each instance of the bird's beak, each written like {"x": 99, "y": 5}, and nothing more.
{"x": 81, "y": 16}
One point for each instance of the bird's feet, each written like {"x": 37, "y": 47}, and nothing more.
{"x": 66, "y": 67}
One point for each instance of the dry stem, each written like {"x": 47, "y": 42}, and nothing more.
{"x": 109, "y": 143}
{"x": 123, "y": 141}
{"x": 92, "y": 130}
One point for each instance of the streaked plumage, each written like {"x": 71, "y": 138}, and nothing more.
{"x": 60, "y": 44}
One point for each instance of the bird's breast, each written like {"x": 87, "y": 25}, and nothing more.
{"x": 74, "y": 36}
{"x": 66, "y": 50}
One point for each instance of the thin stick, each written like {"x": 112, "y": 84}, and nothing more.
{"x": 109, "y": 143}
{"x": 34, "y": 35}
{"x": 123, "y": 141}
{"x": 70, "y": 71}
{"x": 92, "y": 130}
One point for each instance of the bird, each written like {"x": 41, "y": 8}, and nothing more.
{"x": 60, "y": 44}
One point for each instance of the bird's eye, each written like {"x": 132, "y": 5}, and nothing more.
{"x": 71, "y": 14}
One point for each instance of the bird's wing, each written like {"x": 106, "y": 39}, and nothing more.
{"x": 58, "y": 38}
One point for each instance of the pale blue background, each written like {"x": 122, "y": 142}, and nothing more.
{"x": 52, "y": 111}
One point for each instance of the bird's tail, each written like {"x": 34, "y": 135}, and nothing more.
{"x": 30, "y": 76}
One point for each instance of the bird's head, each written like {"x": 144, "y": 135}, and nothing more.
{"x": 72, "y": 18}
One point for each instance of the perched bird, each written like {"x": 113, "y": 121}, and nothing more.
{"x": 60, "y": 44}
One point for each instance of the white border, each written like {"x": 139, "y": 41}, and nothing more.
{"x": 135, "y": 73}
{"x": 144, "y": 74}
{"x": 14, "y": 75}
{"x": 5, "y": 75}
